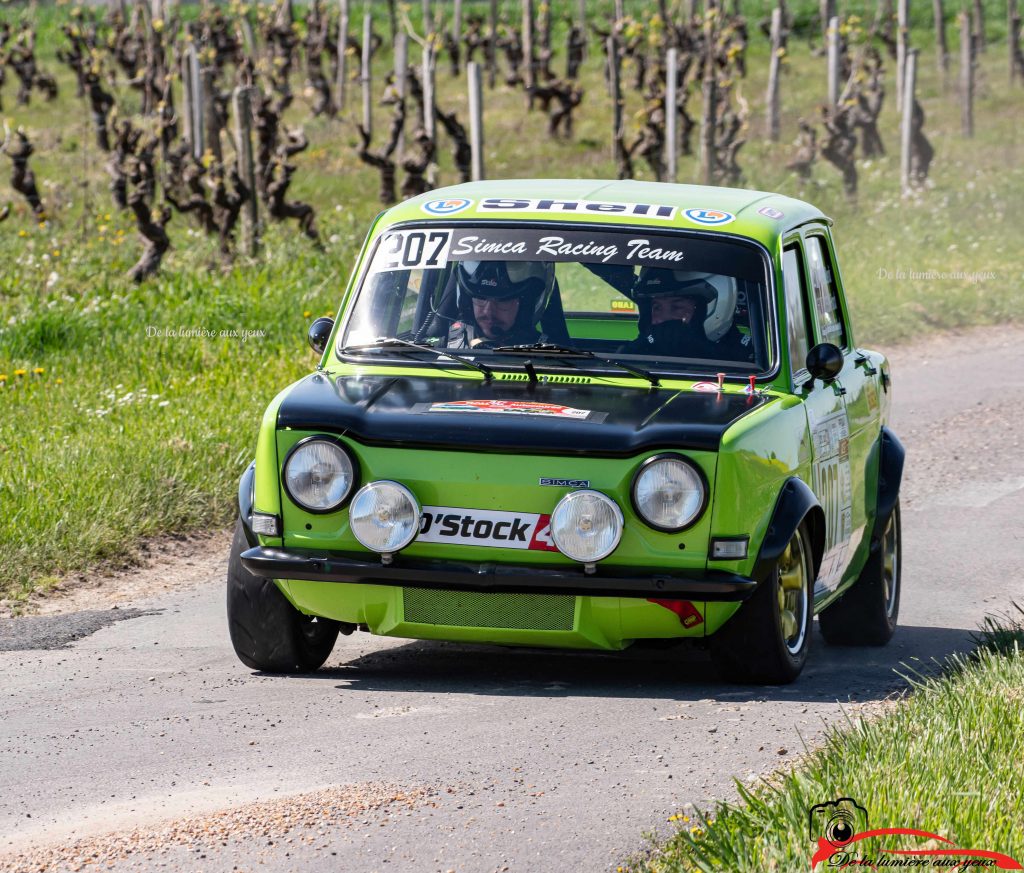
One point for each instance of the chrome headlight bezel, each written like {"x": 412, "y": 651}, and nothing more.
{"x": 645, "y": 468}
{"x": 417, "y": 511}
{"x": 353, "y": 478}
{"x": 617, "y": 517}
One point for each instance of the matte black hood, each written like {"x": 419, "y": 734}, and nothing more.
{"x": 547, "y": 418}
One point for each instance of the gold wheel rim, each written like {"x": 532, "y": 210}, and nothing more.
{"x": 890, "y": 565}
{"x": 792, "y": 594}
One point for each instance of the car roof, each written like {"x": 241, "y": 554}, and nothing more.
{"x": 760, "y": 215}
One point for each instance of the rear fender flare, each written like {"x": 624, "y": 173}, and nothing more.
{"x": 796, "y": 505}
{"x": 890, "y": 477}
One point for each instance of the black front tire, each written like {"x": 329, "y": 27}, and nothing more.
{"x": 267, "y": 632}
{"x": 867, "y": 613}
{"x": 767, "y": 641}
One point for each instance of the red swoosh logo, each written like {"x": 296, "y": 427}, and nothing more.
{"x": 826, "y": 850}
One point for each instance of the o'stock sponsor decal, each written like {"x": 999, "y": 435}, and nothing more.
{"x": 491, "y": 528}
{"x": 446, "y": 207}
{"x": 709, "y": 217}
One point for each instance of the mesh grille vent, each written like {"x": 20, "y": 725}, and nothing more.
{"x": 523, "y": 377}
{"x": 482, "y": 609}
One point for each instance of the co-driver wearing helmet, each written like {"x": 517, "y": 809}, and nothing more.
{"x": 500, "y": 302}
{"x": 688, "y": 314}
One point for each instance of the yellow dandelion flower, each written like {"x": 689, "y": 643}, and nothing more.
{"x": 106, "y": 216}
{"x": 42, "y": 225}
{"x": 60, "y": 381}
{"x": 39, "y": 371}
{"x": 330, "y": 314}
{"x": 3, "y": 377}
{"x": 306, "y": 313}
{"x": 19, "y": 372}
{"x": 22, "y": 232}
{"x": 56, "y": 253}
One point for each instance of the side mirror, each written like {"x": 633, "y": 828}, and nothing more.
{"x": 319, "y": 333}
{"x": 824, "y": 362}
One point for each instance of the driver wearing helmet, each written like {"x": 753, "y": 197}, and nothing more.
{"x": 500, "y": 302}
{"x": 684, "y": 313}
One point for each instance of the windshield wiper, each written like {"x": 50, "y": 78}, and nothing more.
{"x": 387, "y": 342}
{"x": 569, "y": 351}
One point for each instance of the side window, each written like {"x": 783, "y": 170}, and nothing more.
{"x": 796, "y": 308}
{"x": 826, "y": 295}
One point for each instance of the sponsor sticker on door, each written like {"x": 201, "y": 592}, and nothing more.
{"x": 490, "y": 528}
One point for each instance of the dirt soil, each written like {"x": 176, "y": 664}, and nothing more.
{"x": 175, "y": 562}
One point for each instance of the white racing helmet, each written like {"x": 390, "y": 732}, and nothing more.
{"x": 717, "y": 291}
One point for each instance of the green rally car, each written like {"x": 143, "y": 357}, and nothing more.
{"x": 579, "y": 414}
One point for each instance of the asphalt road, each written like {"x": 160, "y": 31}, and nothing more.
{"x": 413, "y": 756}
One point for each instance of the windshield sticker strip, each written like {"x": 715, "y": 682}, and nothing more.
{"x": 562, "y": 207}
{"x": 608, "y": 251}
{"x": 512, "y": 407}
{"x": 486, "y": 527}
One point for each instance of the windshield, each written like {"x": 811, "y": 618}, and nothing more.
{"x": 671, "y": 302}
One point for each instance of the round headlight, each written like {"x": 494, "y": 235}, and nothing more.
{"x": 586, "y": 526}
{"x": 318, "y": 475}
{"x": 384, "y": 516}
{"x": 669, "y": 493}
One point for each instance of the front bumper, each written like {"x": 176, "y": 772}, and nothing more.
{"x": 498, "y": 578}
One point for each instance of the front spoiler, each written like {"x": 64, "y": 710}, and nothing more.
{"x": 498, "y": 578}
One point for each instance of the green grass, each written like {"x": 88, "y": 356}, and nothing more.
{"x": 86, "y": 469}
{"x": 949, "y": 760}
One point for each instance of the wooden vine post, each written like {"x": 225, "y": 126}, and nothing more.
{"x": 476, "y": 120}
{"x": 529, "y": 53}
{"x": 343, "y": 55}
{"x": 242, "y": 100}
{"x": 492, "y": 44}
{"x": 211, "y": 123}
{"x": 966, "y": 77}
{"x": 1013, "y": 34}
{"x": 774, "y": 64}
{"x": 833, "y": 61}
{"x": 827, "y": 10}
{"x": 364, "y": 75}
{"x": 902, "y": 35}
{"x": 615, "y": 86}
{"x": 941, "y": 44}
{"x": 196, "y": 102}
{"x": 427, "y": 77}
{"x": 671, "y": 114}
{"x": 710, "y": 96}
{"x": 457, "y": 26}
{"x": 401, "y": 77}
{"x": 906, "y": 121}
